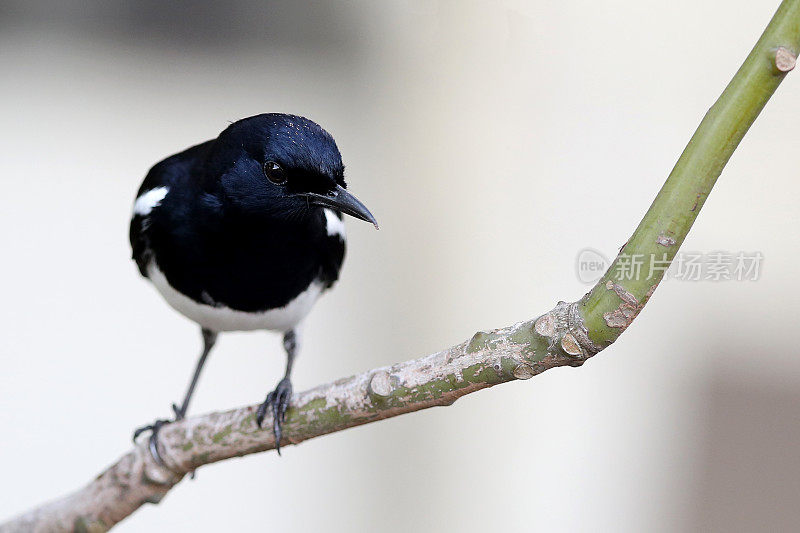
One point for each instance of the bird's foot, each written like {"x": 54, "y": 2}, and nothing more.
{"x": 153, "y": 442}
{"x": 155, "y": 426}
{"x": 278, "y": 400}
{"x": 154, "y": 429}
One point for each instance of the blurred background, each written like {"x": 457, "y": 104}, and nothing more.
{"x": 493, "y": 141}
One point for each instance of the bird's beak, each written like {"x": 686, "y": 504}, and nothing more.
{"x": 341, "y": 200}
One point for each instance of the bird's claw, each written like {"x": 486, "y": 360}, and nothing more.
{"x": 278, "y": 400}
{"x": 153, "y": 442}
{"x": 154, "y": 427}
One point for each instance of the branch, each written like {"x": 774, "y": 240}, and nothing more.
{"x": 567, "y": 335}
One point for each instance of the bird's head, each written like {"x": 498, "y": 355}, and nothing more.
{"x": 282, "y": 166}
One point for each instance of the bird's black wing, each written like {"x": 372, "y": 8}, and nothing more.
{"x": 166, "y": 174}
{"x": 140, "y": 243}
{"x": 141, "y": 221}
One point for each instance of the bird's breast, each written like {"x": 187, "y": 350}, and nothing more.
{"x": 217, "y": 316}
{"x": 246, "y": 276}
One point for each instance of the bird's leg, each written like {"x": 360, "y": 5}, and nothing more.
{"x": 279, "y": 398}
{"x": 209, "y": 338}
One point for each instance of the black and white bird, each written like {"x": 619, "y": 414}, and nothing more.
{"x": 245, "y": 232}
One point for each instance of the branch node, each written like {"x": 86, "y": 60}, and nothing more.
{"x": 523, "y": 371}
{"x": 571, "y": 346}
{"x": 622, "y": 316}
{"x": 665, "y": 240}
{"x": 380, "y": 384}
{"x": 545, "y": 325}
{"x": 785, "y": 60}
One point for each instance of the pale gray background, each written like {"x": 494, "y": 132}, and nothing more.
{"x": 493, "y": 141}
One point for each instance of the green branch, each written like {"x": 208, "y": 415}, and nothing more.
{"x": 567, "y": 335}
{"x": 667, "y": 222}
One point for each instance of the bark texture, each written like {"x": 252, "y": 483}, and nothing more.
{"x": 521, "y": 351}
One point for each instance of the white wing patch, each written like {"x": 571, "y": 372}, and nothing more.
{"x": 333, "y": 224}
{"x": 149, "y": 201}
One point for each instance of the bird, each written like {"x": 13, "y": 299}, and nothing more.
{"x": 245, "y": 232}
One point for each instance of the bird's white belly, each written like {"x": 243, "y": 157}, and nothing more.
{"x": 221, "y": 318}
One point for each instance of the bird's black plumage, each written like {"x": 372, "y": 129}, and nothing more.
{"x": 224, "y": 234}
{"x": 234, "y": 231}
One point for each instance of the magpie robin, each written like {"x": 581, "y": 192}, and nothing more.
{"x": 245, "y": 232}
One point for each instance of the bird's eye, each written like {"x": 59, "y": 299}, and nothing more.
{"x": 274, "y": 172}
